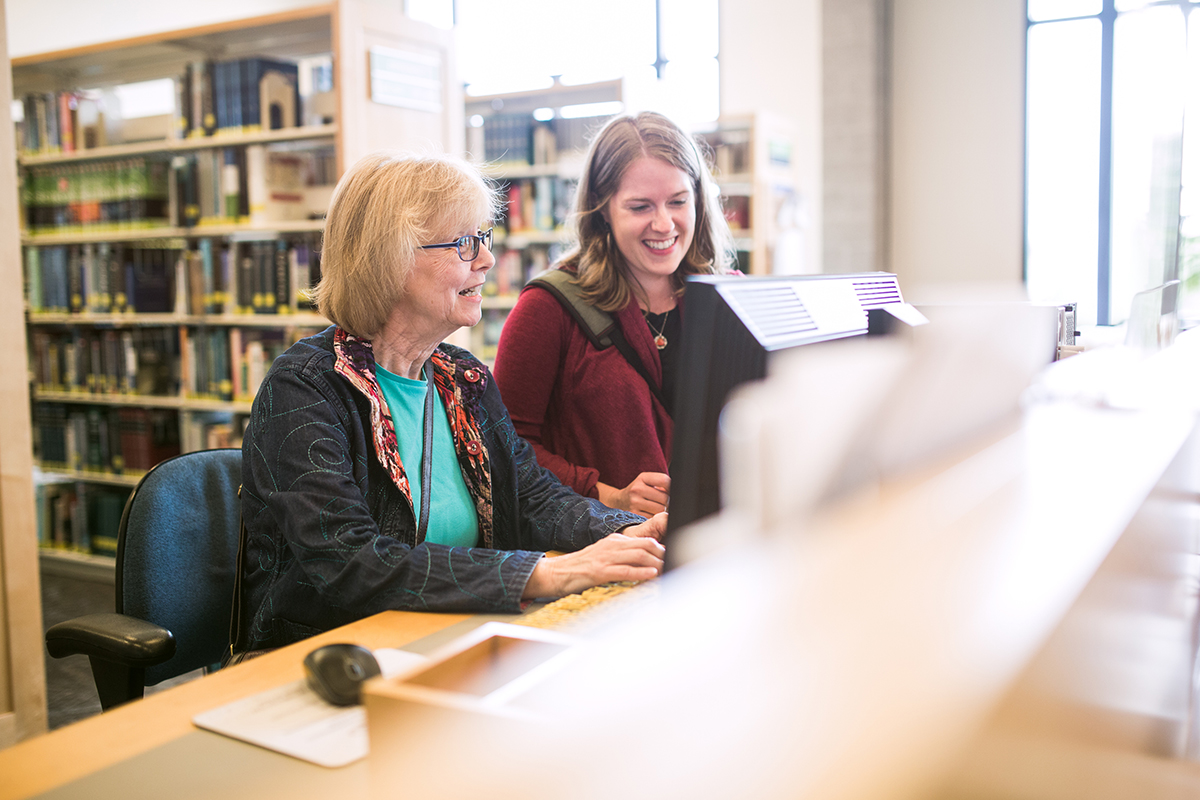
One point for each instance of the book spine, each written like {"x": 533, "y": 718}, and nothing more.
{"x": 210, "y": 304}
{"x": 256, "y": 183}
{"x": 283, "y": 295}
{"x": 34, "y": 301}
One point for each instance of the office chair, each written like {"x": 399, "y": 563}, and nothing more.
{"x": 176, "y": 562}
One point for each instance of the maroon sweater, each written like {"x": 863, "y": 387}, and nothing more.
{"x": 588, "y": 414}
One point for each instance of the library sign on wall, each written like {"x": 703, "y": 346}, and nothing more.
{"x": 406, "y": 78}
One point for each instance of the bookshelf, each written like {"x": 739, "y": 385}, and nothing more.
{"x": 535, "y": 152}
{"x": 165, "y": 256}
{"x": 524, "y": 143}
{"x": 752, "y": 157}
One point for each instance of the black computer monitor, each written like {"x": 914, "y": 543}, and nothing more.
{"x": 731, "y": 324}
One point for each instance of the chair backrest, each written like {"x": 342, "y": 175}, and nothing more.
{"x": 177, "y": 554}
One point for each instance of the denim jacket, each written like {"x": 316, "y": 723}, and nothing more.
{"x": 331, "y": 531}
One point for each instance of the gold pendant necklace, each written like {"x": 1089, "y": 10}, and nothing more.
{"x": 660, "y": 341}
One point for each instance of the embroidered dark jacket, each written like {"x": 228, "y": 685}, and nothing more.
{"x": 331, "y": 533}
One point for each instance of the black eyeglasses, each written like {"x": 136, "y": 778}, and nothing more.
{"x": 467, "y": 246}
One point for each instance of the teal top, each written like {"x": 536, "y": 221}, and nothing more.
{"x": 452, "y": 518}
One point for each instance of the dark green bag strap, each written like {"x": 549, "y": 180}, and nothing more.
{"x": 599, "y": 326}
{"x": 596, "y": 324}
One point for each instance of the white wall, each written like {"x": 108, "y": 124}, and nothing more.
{"x": 855, "y": 129}
{"x": 771, "y": 61}
{"x": 957, "y": 145}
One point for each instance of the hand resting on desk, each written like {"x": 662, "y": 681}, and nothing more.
{"x": 647, "y": 494}
{"x": 633, "y": 554}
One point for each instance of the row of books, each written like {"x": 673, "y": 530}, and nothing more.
{"x": 213, "y": 276}
{"x": 83, "y": 517}
{"x": 255, "y": 277}
{"x": 206, "y": 363}
{"x": 736, "y": 209}
{"x": 537, "y": 204}
{"x": 514, "y": 268}
{"x": 60, "y": 122}
{"x": 252, "y": 184}
{"x": 109, "y": 440}
{"x": 121, "y": 194}
{"x": 212, "y": 97}
{"x": 100, "y": 277}
{"x": 228, "y": 363}
{"x": 104, "y": 439}
{"x": 239, "y": 96}
{"x": 731, "y": 151}
{"x": 520, "y": 140}
{"x": 140, "y": 361}
{"x": 487, "y": 340}
{"x": 79, "y": 517}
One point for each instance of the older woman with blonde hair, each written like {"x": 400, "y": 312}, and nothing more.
{"x": 598, "y": 410}
{"x": 380, "y": 468}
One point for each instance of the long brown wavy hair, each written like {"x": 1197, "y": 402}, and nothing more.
{"x": 602, "y": 271}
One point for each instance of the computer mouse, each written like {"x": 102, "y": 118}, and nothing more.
{"x": 337, "y": 671}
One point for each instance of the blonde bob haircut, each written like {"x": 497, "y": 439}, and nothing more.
{"x": 603, "y": 272}
{"x": 383, "y": 209}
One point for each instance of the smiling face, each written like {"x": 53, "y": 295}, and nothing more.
{"x": 653, "y": 217}
{"x": 444, "y": 293}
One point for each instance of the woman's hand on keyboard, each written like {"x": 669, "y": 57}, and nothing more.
{"x": 616, "y": 557}
{"x": 655, "y": 527}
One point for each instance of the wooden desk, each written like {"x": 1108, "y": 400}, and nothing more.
{"x": 112, "y": 747}
{"x": 963, "y": 632}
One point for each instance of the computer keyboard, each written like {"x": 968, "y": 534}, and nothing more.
{"x": 591, "y": 607}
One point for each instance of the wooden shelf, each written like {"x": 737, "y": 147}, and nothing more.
{"x": 179, "y": 145}
{"x": 299, "y": 32}
{"x": 283, "y": 321}
{"x": 142, "y": 401}
{"x": 85, "y": 476}
{"x": 503, "y": 301}
{"x": 522, "y": 239}
{"x": 166, "y": 232}
{"x": 80, "y": 566}
{"x": 364, "y": 119}
{"x": 740, "y": 184}
{"x": 568, "y": 167}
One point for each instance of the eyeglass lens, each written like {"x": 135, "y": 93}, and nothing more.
{"x": 468, "y": 246}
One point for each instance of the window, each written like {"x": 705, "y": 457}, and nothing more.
{"x": 665, "y": 49}
{"x": 1113, "y": 183}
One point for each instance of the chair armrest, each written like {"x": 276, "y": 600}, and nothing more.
{"x": 112, "y": 637}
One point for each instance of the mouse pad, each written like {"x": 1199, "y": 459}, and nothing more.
{"x": 292, "y": 719}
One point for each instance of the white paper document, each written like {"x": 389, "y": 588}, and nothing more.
{"x": 292, "y": 719}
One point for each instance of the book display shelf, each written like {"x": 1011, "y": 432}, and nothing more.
{"x": 752, "y": 163}
{"x": 166, "y": 257}
{"x": 533, "y": 145}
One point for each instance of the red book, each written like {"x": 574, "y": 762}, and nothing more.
{"x": 516, "y": 222}
{"x": 67, "y": 104}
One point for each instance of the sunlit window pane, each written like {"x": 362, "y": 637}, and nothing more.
{"x": 688, "y": 92}
{"x": 582, "y": 42}
{"x": 1149, "y": 60}
{"x": 689, "y": 29}
{"x": 1132, "y": 5}
{"x": 1060, "y": 9}
{"x": 1189, "y": 261}
{"x": 435, "y": 12}
{"x": 1063, "y": 162}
